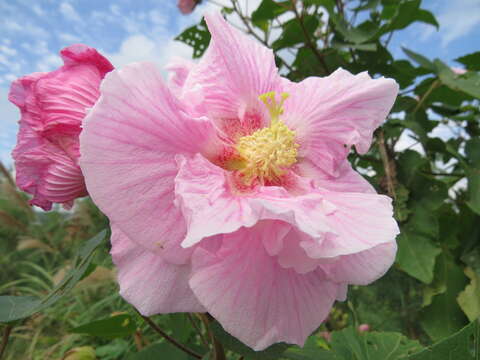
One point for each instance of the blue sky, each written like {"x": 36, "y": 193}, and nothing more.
{"x": 32, "y": 33}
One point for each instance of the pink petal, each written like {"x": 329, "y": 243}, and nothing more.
{"x": 341, "y": 109}
{"x": 179, "y": 68}
{"x": 346, "y": 179}
{"x": 128, "y": 147}
{"x": 150, "y": 283}
{"x": 45, "y": 170}
{"x": 53, "y": 106}
{"x": 292, "y": 255}
{"x": 212, "y": 206}
{"x": 207, "y": 203}
{"x": 359, "y": 222}
{"x": 254, "y": 298}
{"x": 363, "y": 267}
{"x": 232, "y": 74}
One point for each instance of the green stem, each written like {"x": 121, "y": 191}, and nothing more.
{"x": 218, "y": 351}
{"x": 427, "y": 93}
{"x": 169, "y": 338}
{"x": 387, "y": 166}
{"x": 5, "y": 338}
{"x": 198, "y": 330}
{"x": 308, "y": 40}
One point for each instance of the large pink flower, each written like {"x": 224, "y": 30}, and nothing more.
{"x": 232, "y": 193}
{"x": 52, "y": 107}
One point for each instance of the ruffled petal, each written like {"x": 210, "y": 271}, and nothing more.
{"x": 358, "y": 221}
{"x": 57, "y": 102}
{"x": 211, "y": 204}
{"x": 232, "y": 74}
{"x": 254, "y": 298}
{"x": 45, "y": 170}
{"x": 53, "y": 106}
{"x": 150, "y": 283}
{"x": 346, "y": 179}
{"x": 128, "y": 149}
{"x": 332, "y": 113}
{"x": 363, "y": 267}
{"x": 207, "y": 202}
{"x": 179, "y": 68}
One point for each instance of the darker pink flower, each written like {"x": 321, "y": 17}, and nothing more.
{"x": 52, "y": 107}
{"x": 458, "y": 71}
{"x": 187, "y": 6}
{"x": 229, "y": 190}
{"x": 363, "y": 328}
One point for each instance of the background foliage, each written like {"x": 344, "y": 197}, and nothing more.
{"x": 424, "y": 308}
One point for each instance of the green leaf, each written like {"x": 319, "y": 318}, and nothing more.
{"x": 473, "y": 177}
{"x": 472, "y": 149}
{"x": 18, "y": 307}
{"x": 160, "y": 351}
{"x": 362, "y": 47}
{"x": 409, "y": 163}
{"x": 427, "y": 17}
{"x": 443, "y": 316}
{"x": 293, "y": 32}
{"x": 310, "y": 351}
{"x": 416, "y": 255}
{"x": 469, "y": 84}
{"x": 349, "y": 344}
{"x": 230, "y": 343}
{"x": 407, "y": 13}
{"x": 357, "y": 35}
{"x": 469, "y": 299}
{"x": 113, "y": 350}
{"x": 423, "y": 221}
{"x": 180, "y": 326}
{"x": 471, "y": 61}
{"x": 112, "y": 327}
{"x": 208, "y": 356}
{"x": 268, "y": 10}
{"x": 463, "y": 345}
{"x": 420, "y": 59}
{"x": 196, "y": 36}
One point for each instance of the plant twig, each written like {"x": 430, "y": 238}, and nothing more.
{"x": 309, "y": 41}
{"x": 218, "y": 351}
{"x": 169, "y": 338}
{"x": 389, "y": 172}
{"x": 5, "y": 338}
{"x": 387, "y": 42}
{"x": 427, "y": 93}
{"x": 7, "y": 175}
{"x": 198, "y": 330}
{"x": 246, "y": 23}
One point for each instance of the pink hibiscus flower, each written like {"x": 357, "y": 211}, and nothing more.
{"x": 232, "y": 193}
{"x": 187, "y": 6}
{"x": 52, "y": 107}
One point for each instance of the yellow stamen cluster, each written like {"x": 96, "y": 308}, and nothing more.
{"x": 267, "y": 152}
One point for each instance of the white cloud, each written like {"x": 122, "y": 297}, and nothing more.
{"x": 40, "y": 47}
{"x": 38, "y": 10}
{"x": 69, "y": 12}
{"x": 49, "y": 62}
{"x": 143, "y": 48}
{"x": 68, "y": 38}
{"x": 457, "y": 19}
{"x": 27, "y": 28}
